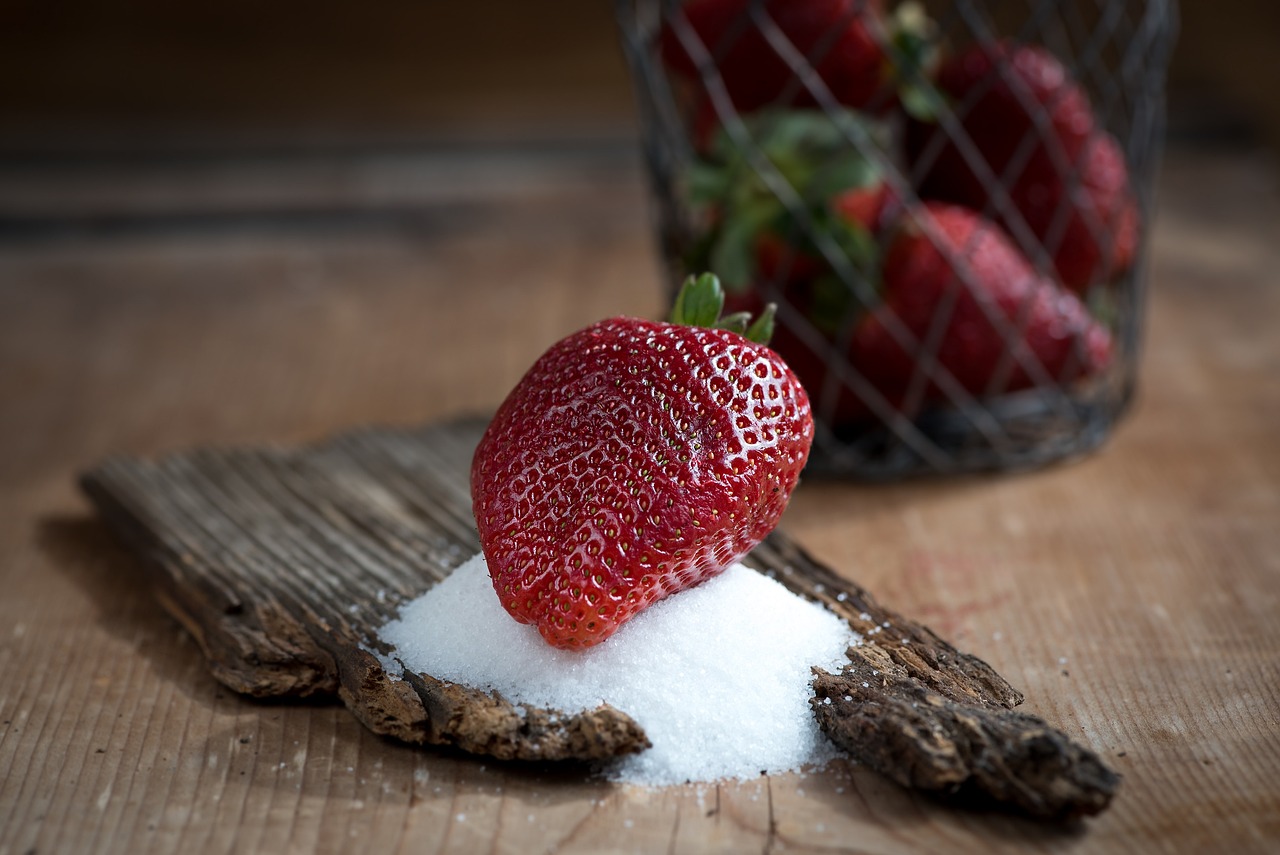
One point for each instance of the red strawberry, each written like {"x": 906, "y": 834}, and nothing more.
{"x": 1088, "y": 221}
{"x": 706, "y": 125}
{"x": 633, "y": 460}
{"x": 1001, "y": 93}
{"x": 840, "y": 39}
{"x": 870, "y": 207}
{"x": 953, "y": 254}
{"x": 1070, "y": 188}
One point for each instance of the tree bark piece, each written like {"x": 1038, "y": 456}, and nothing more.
{"x": 931, "y": 717}
{"x": 284, "y": 564}
{"x": 921, "y": 739}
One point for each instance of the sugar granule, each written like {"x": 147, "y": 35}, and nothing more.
{"x": 718, "y": 675}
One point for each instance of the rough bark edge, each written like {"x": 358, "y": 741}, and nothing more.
{"x": 258, "y": 647}
{"x": 978, "y": 754}
{"x": 487, "y": 723}
{"x": 894, "y": 644}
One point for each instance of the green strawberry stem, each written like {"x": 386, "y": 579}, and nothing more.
{"x": 700, "y": 302}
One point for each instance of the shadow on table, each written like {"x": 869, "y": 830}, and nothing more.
{"x": 84, "y": 552}
{"x": 863, "y": 795}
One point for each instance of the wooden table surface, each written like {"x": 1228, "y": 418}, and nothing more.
{"x": 144, "y": 307}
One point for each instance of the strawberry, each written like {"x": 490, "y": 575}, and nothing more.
{"x": 951, "y": 255}
{"x": 1088, "y": 221}
{"x": 869, "y": 207}
{"x": 1069, "y": 185}
{"x": 841, "y": 39}
{"x": 633, "y": 460}
{"x": 1002, "y": 93}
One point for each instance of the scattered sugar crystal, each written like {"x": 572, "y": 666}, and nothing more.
{"x": 718, "y": 675}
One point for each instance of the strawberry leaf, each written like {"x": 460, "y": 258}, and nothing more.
{"x": 857, "y": 243}
{"x": 844, "y": 172}
{"x": 737, "y": 322}
{"x": 809, "y": 150}
{"x": 699, "y": 302}
{"x": 921, "y": 101}
{"x": 761, "y": 330}
{"x": 708, "y": 183}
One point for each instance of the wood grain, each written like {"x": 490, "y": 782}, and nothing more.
{"x": 1148, "y": 573}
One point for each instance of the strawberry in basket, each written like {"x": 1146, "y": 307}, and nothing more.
{"x": 1030, "y": 154}
{"x": 971, "y": 305}
{"x": 797, "y": 53}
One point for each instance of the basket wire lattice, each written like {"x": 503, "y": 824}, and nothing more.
{"x": 1021, "y": 413}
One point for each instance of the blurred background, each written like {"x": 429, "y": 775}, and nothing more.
{"x": 80, "y": 75}
{"x": 82, "y": 78}
{"x": 136, "y": 136}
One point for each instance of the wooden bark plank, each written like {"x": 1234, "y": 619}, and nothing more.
{"x": 921, "y": 739}
{"x": 284, "y": 563}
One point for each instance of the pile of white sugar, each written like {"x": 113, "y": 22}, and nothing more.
{"x": 718, "y": 675}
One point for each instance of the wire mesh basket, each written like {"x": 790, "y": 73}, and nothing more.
{"x": 947, "y": 203}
